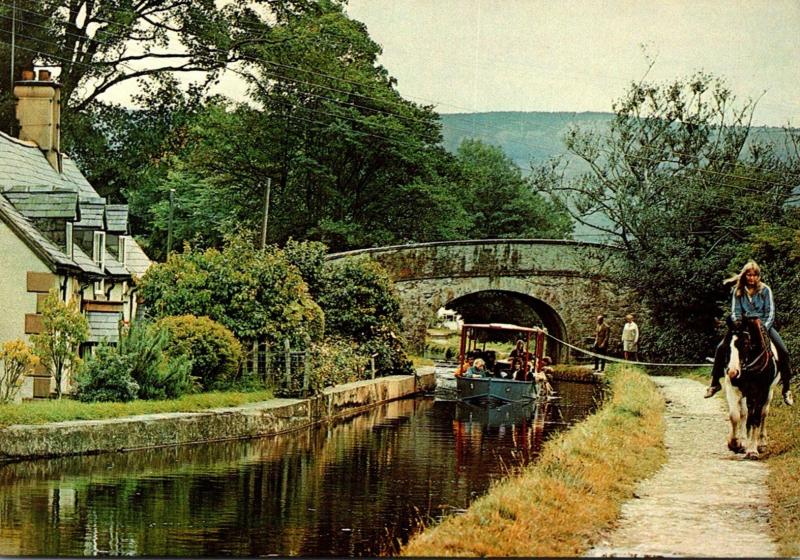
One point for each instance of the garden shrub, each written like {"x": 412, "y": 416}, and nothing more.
{"x": 360, "y": 303}
{"x": 337, "y": 361}
{"x": 257, "y": 294}
{"x": 158, "y": 375}
{"x": 215, "y": 353}
{"x": 17, "y": 358}
{"x": 106, "y": 376}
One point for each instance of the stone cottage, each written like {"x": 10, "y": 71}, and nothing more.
{"x": 57, "y": 232}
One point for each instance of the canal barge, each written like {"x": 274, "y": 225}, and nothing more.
{"x": 514, "y": 379}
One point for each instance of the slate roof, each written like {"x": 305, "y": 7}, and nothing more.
{"x": 135, "y": 258}
{"x": 92, "y": 213}
{"x": 31, "y": 188}
{"x": 45, "y": 249}
{"x": 115, "y": 268}
{"x": 85, "y": 262}
{"x": 117, "y": 218}
{"x": 23, "y": 163}
{"x": 103, "y": 325}
{"x": 42, "y": 201}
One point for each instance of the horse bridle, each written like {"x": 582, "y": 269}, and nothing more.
{"x": 765, "y": 355}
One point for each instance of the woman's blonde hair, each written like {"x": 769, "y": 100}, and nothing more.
{"x": 740, "y": 281}
{"x": 478, "y": 363}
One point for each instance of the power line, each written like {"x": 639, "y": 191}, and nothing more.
{"x": 337, "y": 78}
{"x": 350, "y": 93}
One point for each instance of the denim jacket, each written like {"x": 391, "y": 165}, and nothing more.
{"x": 760, "y": 305}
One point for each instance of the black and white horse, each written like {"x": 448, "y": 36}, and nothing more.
{"x": 751, "y": 375}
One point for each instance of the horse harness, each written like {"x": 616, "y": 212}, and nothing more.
{"x": 760, "y": 362}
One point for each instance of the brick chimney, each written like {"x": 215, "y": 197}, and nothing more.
{"x": 39, "y": 113}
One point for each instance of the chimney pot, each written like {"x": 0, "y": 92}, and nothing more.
{"x": 44, "y": 75}
{"x": 28, "y": 75}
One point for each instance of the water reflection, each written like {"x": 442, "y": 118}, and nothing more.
{"x": 355, "y": 488}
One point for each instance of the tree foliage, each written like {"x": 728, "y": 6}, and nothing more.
{"x": 17, "y": 360}
{"x": 64, "y": 329}
{"x": 677, "y": 181}
{"x": 256, "y": 294}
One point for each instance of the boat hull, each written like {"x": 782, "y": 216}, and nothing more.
{"x": 506, "y": 390}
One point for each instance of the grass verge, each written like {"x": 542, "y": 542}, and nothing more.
{"x": 42, "y": 412}
{"x": 560, "y": 504}
{"x": 784, "y": 475}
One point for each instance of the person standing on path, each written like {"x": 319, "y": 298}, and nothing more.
{"x": 630, "y": 339}
{"x": 600, "y": 343}
{"x": 751, "y": 297}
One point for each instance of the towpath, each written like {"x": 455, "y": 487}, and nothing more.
{"x": 705, "y": 500}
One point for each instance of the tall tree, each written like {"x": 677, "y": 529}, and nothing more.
{"x": 677, "y": 180}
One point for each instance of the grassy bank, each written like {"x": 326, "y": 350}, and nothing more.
{"x": 557, "y": 506}
{"x": 42, "y": 412}
{"x": 784, "y": 474}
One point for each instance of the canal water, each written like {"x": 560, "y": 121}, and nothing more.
{"x": 356, "y": 488}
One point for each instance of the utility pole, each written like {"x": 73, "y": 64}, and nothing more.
{"x": 266, "y": 214}
{"x": 13, "y": 48}
{"x": 169, "y": 226}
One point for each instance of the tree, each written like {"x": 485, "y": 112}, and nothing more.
{"x": 17, "y": 359}
{"x": 256, "y": 294}
{"x": 676, "y": 180}
{"x": 64, "y": 330}
{"x": 500, "y": 202}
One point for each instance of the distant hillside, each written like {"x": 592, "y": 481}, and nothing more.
{"x": 524, "y": 137}
{"x": 534, "y": 137}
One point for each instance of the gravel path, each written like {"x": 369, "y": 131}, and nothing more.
{"x": 705, "y": 500}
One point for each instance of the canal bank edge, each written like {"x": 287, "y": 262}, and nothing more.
{"x": 276, "y": 416}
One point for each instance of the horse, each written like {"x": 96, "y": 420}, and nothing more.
{"x": 751, "y": 375}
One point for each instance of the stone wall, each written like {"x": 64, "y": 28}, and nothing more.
{"x": 565, "y": 282}
{"x": 248, "y": 421}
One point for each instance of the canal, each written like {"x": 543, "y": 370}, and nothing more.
{"x": 359, "y": 487}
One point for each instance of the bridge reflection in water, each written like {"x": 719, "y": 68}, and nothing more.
{"x": 355, "y": 488}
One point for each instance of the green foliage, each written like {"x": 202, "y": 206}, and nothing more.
{"x": 256, "y": 294}
{"x": 358, "y": 298}
{"x": 500, "y": 202}
{"x": 212, "y": 349}
{"x": 309, "y": 258}
{"x": 336, "y": 361}
{"x": 64, "y": 330}
{"x": 673, "y": 178}
{"x": 106, "y": 377}
{"x": 359, "y": 302}
{"x": 17, "y": 359}
{"x": 158, "y": 376}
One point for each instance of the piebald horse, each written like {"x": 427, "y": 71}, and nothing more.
{"x": 751, "y": 375}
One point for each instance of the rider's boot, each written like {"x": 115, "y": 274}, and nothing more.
{"x": 713, "y": 389}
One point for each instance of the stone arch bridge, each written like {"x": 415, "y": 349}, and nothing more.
{"x": 565, "y": 283}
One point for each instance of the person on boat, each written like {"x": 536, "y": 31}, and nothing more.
{"x": 478, "y": 369}
{"x": 543, "y": 376}
{"x": 463, "y": 368}
{"x": 518, "y": 356}
{"x": 752, "y": 297}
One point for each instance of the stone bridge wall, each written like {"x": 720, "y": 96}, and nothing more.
{"x": 565, "y": 279}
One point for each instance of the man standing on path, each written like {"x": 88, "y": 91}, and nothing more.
{"x": 630, "y": 339}
{"x": 600, "y": 343}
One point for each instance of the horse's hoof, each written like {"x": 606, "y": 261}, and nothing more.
{"x": 762, "y": 448}
{"x": 752, "y": 455}
{"x": 736, "y": 447}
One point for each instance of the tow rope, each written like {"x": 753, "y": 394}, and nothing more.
{"x": 619, "y": 360}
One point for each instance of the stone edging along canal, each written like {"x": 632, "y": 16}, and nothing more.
{"x": 252, "y": 420}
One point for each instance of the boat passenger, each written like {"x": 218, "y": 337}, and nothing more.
{"x": 463, "y": 368}
{"x": 478, "y": 369}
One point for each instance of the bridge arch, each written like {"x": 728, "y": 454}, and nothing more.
{"x": 567, "y": 282}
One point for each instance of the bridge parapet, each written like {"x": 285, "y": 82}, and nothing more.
{"x": 565, "y": 282}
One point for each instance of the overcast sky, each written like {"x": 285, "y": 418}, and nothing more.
{"x": 559, "y": 55}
